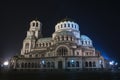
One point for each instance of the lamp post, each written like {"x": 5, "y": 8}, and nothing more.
{"x": 112, "y": 65}
{"x": 6, "y": 65}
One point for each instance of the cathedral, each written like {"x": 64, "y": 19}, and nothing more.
{"x": 65, "y": 49}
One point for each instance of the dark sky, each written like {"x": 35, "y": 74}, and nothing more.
{"x": 97, "y": 19}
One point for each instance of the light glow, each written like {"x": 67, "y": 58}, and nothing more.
{"x": 6, "y": 63}
{"x": 111, "y": 62}
{"x": 116, "y": 63}
{"x": 72, "y": 61}
{"x": 43, "y": 62}
{"x": 100, "y": 61}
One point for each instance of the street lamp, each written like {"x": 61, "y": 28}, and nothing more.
{"x": 116, "y": 63}
{"x": 6, "y": 63}
{"x": 111, "y": 63}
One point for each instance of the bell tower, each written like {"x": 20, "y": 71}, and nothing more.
{"x": 35, "y": 27}
{"x": 33, "y": 34}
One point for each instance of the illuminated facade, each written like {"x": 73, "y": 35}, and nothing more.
{"x": 66, "y": 49}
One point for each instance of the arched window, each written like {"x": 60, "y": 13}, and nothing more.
{"x": 22, "y": 65}
{"x": 37, "y": 45}
{"x": 87, "y": 54}
{"x": 30, "y": 55}
{"x": 25, "y": 65}
{"x": 27, "y": 45}
{"x": 77, "y": 63}
{"x": 43, "y": 44}
{"x": 73, "y": 64}
{"x": 48, "y": 64}
{"x": 28, "y": 65}
{"x": 94, "y": 64}
{"x": 17, "y": 65}
{"x": 32, "y": 65}
{"x": 44, "y": 65}
{"x": 90, "y": 64}
{"x": 33, "y": 24}
{"x": 43, "y": 55}
{"x": 62, "y": 51}
{"x": 86, "y": 64}
{"x": 68, "y": 64}
{"x": 36, "y": 24}
{"x": 64, "y": 25}
{"x": 36, "y": 55}
{"x": 68, "y": 25}
{"x": 70, "y": 38}
{"x": 67, "y": 38}
{"x": 72, "y": 25}
{"x": 40, "y": 44}
{"x": 52, "y": 64}
{"x": 82, "y": 42}
{"x": 75, "y": 26}
{"x": 39, "y": 65}
{"x": 89, "y": 42}
{"x": 58, "y": 27}
{"x": 35, "y": 65}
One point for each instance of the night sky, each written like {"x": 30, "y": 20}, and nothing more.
{"x": 100, "y": 20}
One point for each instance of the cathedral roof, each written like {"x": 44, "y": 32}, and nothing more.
{"x": 64, "y": 32}
{"x": 86, "y": 38}
{"x": 44, "y": 39}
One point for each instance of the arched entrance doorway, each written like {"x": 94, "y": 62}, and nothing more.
{"x": 60, "y": 64}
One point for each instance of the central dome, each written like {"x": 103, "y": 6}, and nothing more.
{"x": 66, "y": 19}
{"x": 66, "y": 24}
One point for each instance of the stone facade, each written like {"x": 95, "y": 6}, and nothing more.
{"x": 66, "y": 49}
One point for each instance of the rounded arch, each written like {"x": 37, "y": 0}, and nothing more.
{"x": 52, "y": 64}
{"x": 62, "y": 50}
{"x": 26, "y": 65}
{"x": 48, "y": 64}
{"x": 86, "y": 64}
{"x": 29, "y": 65}
{"x": 94, "y": 64}
{"x": 35, "y": 65}
{"x": 22, "y": 65}
{"x": 32, "y": 65}
{"x": 77, "y": 63}
{"x": 90, "y": 64}
{"x": 27, "y": 45}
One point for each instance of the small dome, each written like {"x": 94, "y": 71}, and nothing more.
{"x": 86, "y": 38}
{"x": 86, "y": 41}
